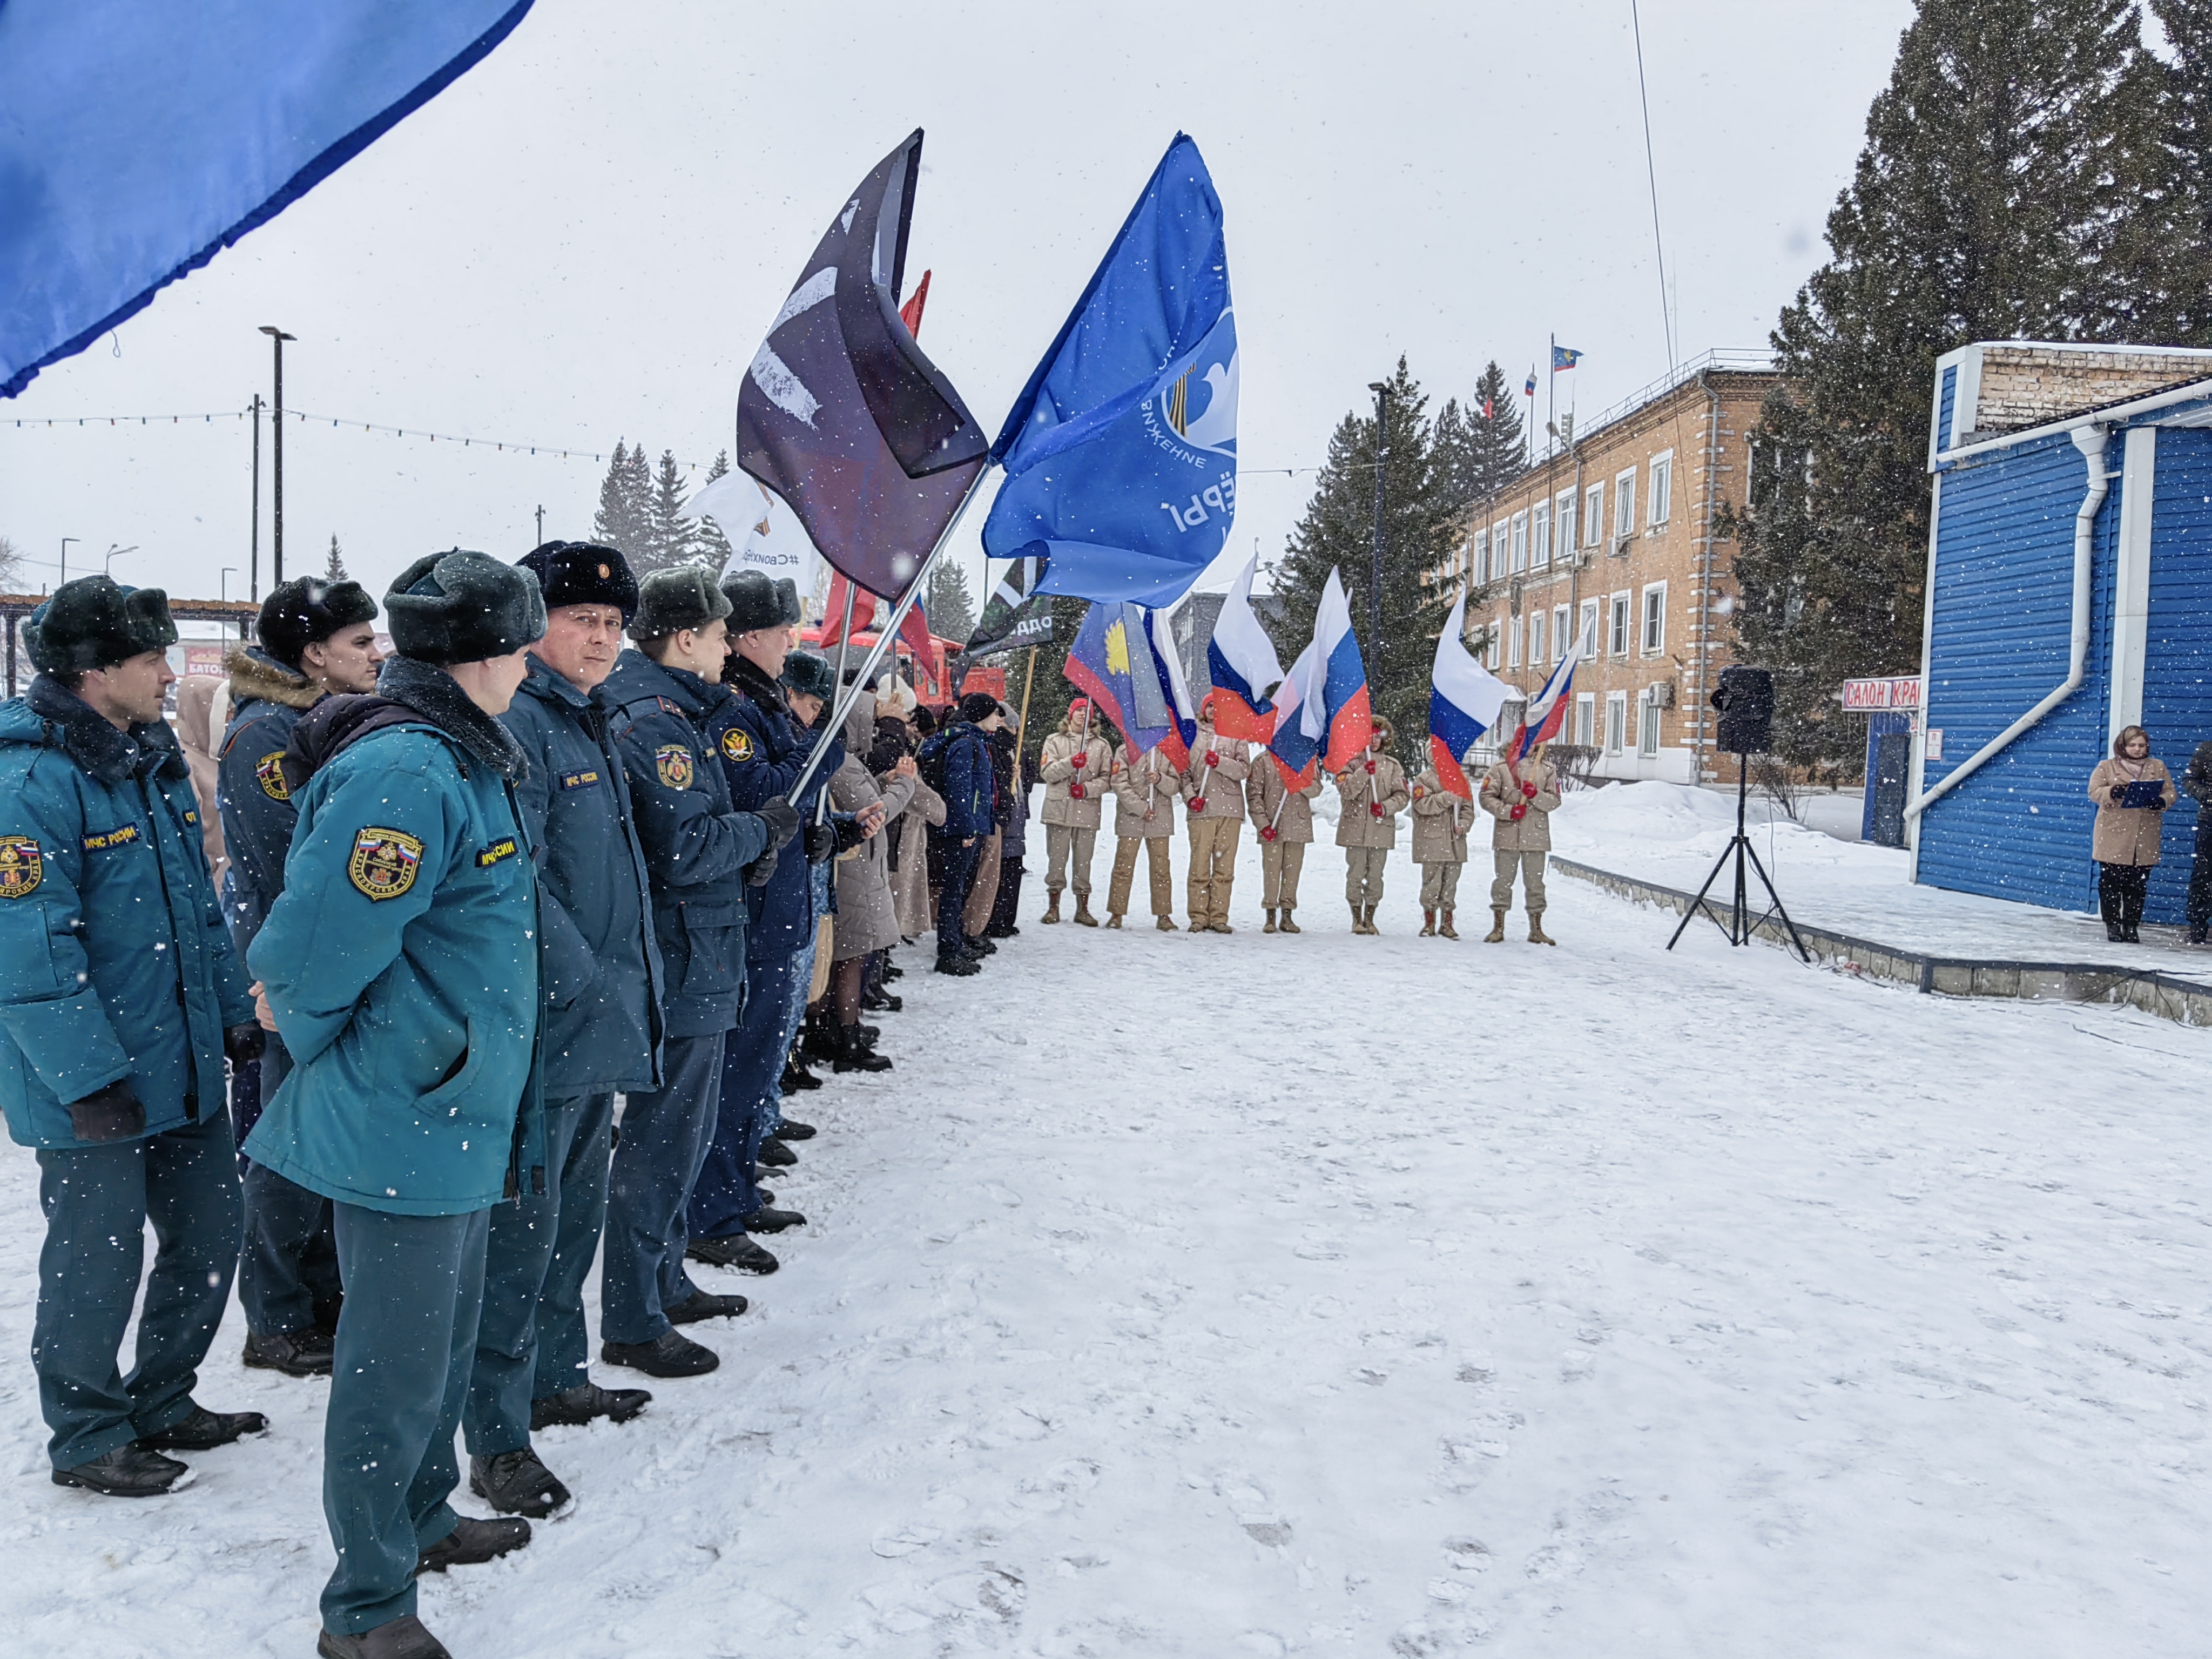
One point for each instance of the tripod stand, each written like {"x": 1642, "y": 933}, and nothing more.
{"x": 1738, "y": 926}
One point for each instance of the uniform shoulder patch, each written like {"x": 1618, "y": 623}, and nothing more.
{"x": 123, "y": 835}
{"x": 385, "y": 862}
{"x": 504, "y": 848}
{"x": 269, "y": 773}
{"x": 583, "y": 779}
{"x": 673, "y": 761}
{"x": 738, "y": 743}
{"x": 22, "y": 867}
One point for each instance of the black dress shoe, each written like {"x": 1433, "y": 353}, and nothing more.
{"x": 857, "y": 1056}
{"x": 402, "y": 1638}
{"x": 705, "y": 1305}
{"x": 774, "y": 1221}
{"x": 586, "y": 1403}
{"x": 892, "y": 971}
{"x": 737, "y": 1253}
{"x": 777, "y": 1155}
{"x": 473, "y": 1542}
{"x": 982, "y": 944}
{"x": 818, "y": 1043}
{"x": 792, "y": 1130}
{"x": 958, "y": 967}
{"x": 127, "y": 1472}
{"x": 796, "y": 1076}
{"x": 296, "y": 1354}
{"x": 516, "y": 1483}
{"x": 670, "y": 1354}
{"x": 203, "y": 1431}
{"x": 882, "y": 1002}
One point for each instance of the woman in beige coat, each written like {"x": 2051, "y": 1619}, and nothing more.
{"x": 1441, "y": 821}
{"x": 1077, "y": 769}
{"x": 196, "y": 726}
{"x": 2132, "y": 791}
{"x": 1522, "y": 797}
{"x": 1145, "y": 789}
{"x": 1373, "y": 790}
{"x": 910, "y": 871}
{"x": 1283, "y": 819}
{"x": 1213, "y": 812}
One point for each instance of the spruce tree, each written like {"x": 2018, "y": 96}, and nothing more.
{"x": 2157, "y": 264}
{"x": 335, "y": 571}
{"x": 668, "y": 533}
{"x": 1420, "y": 525}
{"x": 946, "y": 602}
{"x": 620, "y": 521}
{"x": 1978, "y": 211}
{"x": 1481, "y": 454}
{"x": 712, "y": 547}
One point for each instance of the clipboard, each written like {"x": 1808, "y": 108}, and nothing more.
{"x": 2144, "y": 792}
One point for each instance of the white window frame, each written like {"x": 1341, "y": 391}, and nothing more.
{"x": 1498, "y": 537}
{"x": 1490, "y": 651}
{"x": 1480, "y": 559}
{"x": 1616, "y": 722}
{"x": 1513, "y": 645}
{"x": 1651, "y": 621}
{"x": 1588, "y": 632}
{"x": 1661, "y": 505}
{"x": 1536, "y": 631}
{"x": 1594, "y": 516}
{"x": 1540, "y": 536}
{"x": 1585, "y": 718}
{"x": 1563, "y": 523}
{"x": 1520, "y": 543}
{"x": 1624, "y": 502}
{"x": 1620, "y": 624}
{"x": 1647, "y": 724}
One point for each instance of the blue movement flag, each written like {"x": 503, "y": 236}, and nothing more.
{"x": 139, "y": 138}
{"x": 1563, "y": 358}
{"x": 1120, "y": 453}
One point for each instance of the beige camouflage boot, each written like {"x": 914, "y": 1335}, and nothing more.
{"x": 1497, "y": 934}
{"x": 1446, "y": 929}
{"x": 1358, "y": 918}
{"x": 1082, "y": 916}
{"x": 1428, "y": 924}
{"x": 1289, "y": 925}
{"x": 1536, "y": 933}
{"x": 1051, "y": 909}
{"x": 1114, "y": 919}
{"x": 1165, "y": 924}
{"x": 1270, "y": 927}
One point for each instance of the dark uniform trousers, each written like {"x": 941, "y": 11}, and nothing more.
{"x": 530, "y": 1340}
{"x": 97, "y": 1201}
{"x": 664, "y": 1139}
{"x": 405, "y": 1344}
{"x": 752, "y": 1072}
{"x": 960, "y": 864}
{"x": 288, "y": 1266}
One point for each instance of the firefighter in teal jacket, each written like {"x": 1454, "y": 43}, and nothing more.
{"x": 400, "y": 966}
{"x": 120, "y": 996}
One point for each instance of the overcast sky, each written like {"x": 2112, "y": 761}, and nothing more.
{"x": 584, "y": 239}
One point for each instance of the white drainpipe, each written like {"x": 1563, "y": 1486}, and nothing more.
{"x": 2090, "y": 440}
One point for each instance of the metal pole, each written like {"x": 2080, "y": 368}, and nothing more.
{"x": 1022, "y": 720}
{"x": 844, "y": 649}
{"x": 1374, "y": 574}
{"x": 541, "y": 525}
{"x": 254, "y": 546}
{"x": 276, "y": 337}
{"x": 66, "y": 540}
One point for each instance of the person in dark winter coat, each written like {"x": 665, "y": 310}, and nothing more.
{"x": 400, "y": 966}
{"x": 958, "y": 756}
{"x": 2196, "y": 784}
{"x": 1018, "y": 777}
{"x": 599, "y": 974}
{"x": 120, "y": 996}
{"x": 699, "y": 851}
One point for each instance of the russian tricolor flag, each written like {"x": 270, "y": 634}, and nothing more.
{"x": 1335, "y": 708}
{"x": 1546, "y": 716}
{"x": 1241, "y": 660}
{"x": 1296, "y": 756}
{"x": 1464, "y": 698}
{"x": 1175, "y": 691}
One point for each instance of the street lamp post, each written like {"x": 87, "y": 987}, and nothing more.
{"x": 276, "y": 337}
{"x": 113, "y": 553}
{"x": 1382, "y": 392}
{"x": 223, "y": 588}
{"x": 253, "y": 542}
{"x": 66, "y": 540}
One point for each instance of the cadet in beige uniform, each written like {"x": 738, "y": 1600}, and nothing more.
{"x": 1283, "y": 819}
{"x": 1373, "y": 789}
{"x": 1521, "y": 797}
{"x": 1441, "y": 821}
{"x": 1145, "y": 789}
{"x": 1213, "y": 805}
{"x": 1077, "y": 772}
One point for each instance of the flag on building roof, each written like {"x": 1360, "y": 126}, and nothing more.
{"x": 1529, "y": 390}
{"x": 1120, "y": 453}
{"x": 1241, "y": 661}
{"x": 1464, "y": 698}
{"x": 1563, "y": 358}
{"x": 842, "y": 416}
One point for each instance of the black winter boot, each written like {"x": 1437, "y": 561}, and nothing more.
{"x": 792, "y": 1130}
{"x": 796, "y": 1076}
{"x": 670, "y": 1354}
{"x": 127, "y": 1472}
{"x": 775, "y": 1154}
{"x": 737, "y": 1253}
{"x": 856, "y": 1055}
{"x": 516, "y": 1483}
{"x": 473, "y": 1543}
{"x": 586, "y": 1403}
{"x": 705, "y": 1305}
{"x": 402, "y": 1638}
{"x": 203, "y": 1431}
{"x": 296, "y": 1354}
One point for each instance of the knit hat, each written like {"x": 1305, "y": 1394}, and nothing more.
{"x": 669, "y": 601}
{"x": 95, "y": 621}
{"x": 978, "y": 706}
{"x": 758, "y": 601}
{"x": 810, "y": 675}
{"x": 305, "y": 612}
{"x": 583, "y": 573}
{"x": 460, "y": 606}
{"x": 925, "y": 718}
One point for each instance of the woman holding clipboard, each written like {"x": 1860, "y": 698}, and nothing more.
{"x": 2132, "y": 791}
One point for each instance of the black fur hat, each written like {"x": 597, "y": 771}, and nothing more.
{"x": 978, "y": 706}
{"x": 808, "y": 674}
{"x": 669, "y": 601}
{"x": 305, "y": 612}
{"x": 758, "y": 601}
{"x": 583, "y": 573}
{"x": 460, "y": 606}
{"x": 95, "y": 621}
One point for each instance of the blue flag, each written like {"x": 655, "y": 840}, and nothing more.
{"x": 1120, "y": 453}
{"x": 139, "y": 138}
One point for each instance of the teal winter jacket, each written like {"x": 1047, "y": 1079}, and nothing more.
{"x": 114, "y": 962}
{"x": 401, "y": 958}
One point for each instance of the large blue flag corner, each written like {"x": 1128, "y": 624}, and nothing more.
{"x": 139, "y": 138}
{"x": 1120, "y": 453}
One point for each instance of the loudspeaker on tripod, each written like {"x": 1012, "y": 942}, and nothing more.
{"x": 1745, "y": 697}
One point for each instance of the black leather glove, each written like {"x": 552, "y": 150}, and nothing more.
{"x": 821, "y": 842}
{"x": 113, "y": 1113}
{"x": 847, "y": 826}
{"x": 782, "y": 820}
{"x": 244, "y": 1043}
{"x": 758, "y": 872}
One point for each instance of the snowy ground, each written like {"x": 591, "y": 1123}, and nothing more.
{"x": 1666, "y": 833}
{"x": 1227, "y": 1296}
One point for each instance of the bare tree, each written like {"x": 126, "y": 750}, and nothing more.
{"x": 11, "y": 567}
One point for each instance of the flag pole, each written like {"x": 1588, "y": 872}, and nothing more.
{"x": 1022, "y": 721}
{"x": 844, "y": 646}
{"x": 1551, "y": 403}
{"x": 888, "y": 633}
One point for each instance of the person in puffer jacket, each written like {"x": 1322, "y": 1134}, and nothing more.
{"x": 1373, "y": 792}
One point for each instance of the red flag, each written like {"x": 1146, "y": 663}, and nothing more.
{"x": 915, "y": 631}
{"x": 910, "y": 313}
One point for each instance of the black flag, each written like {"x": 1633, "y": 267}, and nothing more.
{"x": 842, "y": 416}
{"x": 1015, "y": 614}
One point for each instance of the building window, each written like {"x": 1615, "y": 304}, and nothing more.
{"x": 1616, "y": 644}
{"x": 1490, "y": 647}
{"x": 1562, "y": 521}
{"x": 1585, "y": 718}
{"x": 1540, "y": 536}
{"x": 1663, "y": 488}
{"x": 1481, "y": 555}
{"x": 1623, "y": 503}
{"x": 1513, "y": 646}
{"x": 1497, "y": 551}
{"x": 1647, "y": 724}
{"x": 1589, "y": 630}
{"x": 1593, "y": 515}
{"x": 1536, "y": 639}
{"x": 1616, "y": 722}
{"x": 1520, "y": 542}
{"x": 1654, "y": 619}
{"x": 1558, "y": 633}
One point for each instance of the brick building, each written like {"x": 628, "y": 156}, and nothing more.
{"x": 1612, "y": 538}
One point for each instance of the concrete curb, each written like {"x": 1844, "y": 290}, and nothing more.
{"x": 2184, "y": 1001}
